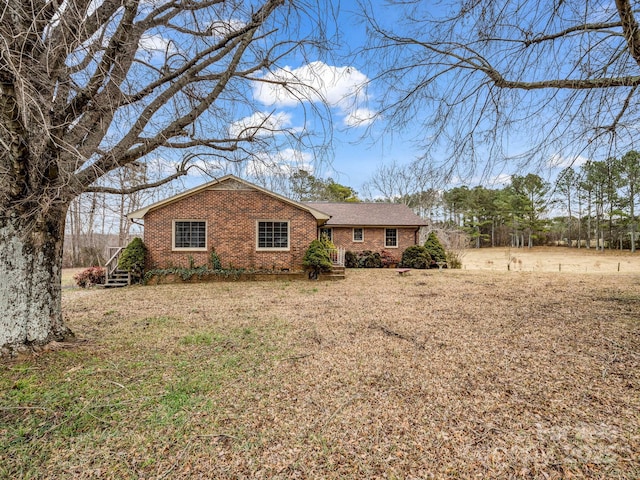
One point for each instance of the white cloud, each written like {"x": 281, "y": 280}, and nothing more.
{"x": 343, "y": 88}
{"x": 360, "y": 117}
{"x": 559, "y": 161}
{"x": 501, "y": 179}
{"x": 280, "y": 163}
{"x": 221, "y": 28}
{"x": 260, "y": 124}
{"x": 155, "y": 44}
{"x": 495, "y": 181}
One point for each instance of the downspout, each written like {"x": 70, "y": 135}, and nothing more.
{"x": 133, "y": 220}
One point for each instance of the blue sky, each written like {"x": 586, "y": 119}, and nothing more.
{"x": 359, "y": 140}
{"x": 340, "y": 107}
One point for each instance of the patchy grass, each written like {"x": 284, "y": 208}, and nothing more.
{"x": 440, "y": 374}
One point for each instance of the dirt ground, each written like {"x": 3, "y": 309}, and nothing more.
{"x": 489, "y": 373}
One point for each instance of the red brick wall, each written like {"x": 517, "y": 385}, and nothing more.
{"x": 373, "y": 240}
{"x": 231, "y": 217}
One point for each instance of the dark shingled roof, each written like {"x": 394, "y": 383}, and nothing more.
{"x": 369, "y": 214}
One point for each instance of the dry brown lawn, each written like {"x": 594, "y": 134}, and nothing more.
{"x": 552, "y": 259}
{"x": 451, "y": 374}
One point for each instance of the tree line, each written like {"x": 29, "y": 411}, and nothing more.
{"x": 590, "y": 206}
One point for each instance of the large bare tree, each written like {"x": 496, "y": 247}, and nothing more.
{"x": 91, "y": 86}
{"x": 522, "y": 81}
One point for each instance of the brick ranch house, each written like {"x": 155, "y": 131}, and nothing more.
{"x": 251, "y": 227}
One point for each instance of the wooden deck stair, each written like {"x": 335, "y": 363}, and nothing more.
{"x": 336, "y": 273}
{"x": 115, "y": 277}
{"x": 118, "y": 278}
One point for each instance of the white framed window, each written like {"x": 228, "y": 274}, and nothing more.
{"x": 272, "y": 235}
{"x": 358, "y": 234}
{"x": 326, "y": 233}
{"x": 391, "y": 237}
{"x": 189, "y": 235}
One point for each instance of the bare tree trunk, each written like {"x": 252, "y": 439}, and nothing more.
{"x": 123, "y": 223}
{"x": 589, "y": 222}
{"x": 493, "y": 232}
{"x": 89, "y": 257}
{"x": 31, "y": 273}
{"x": 570, "y": 219}
{"x": 633, "y": 217}
{"x": 579, "y": 220}
{"x": 75, "y": 231}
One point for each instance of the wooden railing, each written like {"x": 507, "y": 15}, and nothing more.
{"x": 112, "y": 263}
{"x": 337, "y": 256}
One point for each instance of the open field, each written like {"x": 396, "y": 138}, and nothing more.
{"x": 450, "y": 374}
{"x": 552, "y": 259}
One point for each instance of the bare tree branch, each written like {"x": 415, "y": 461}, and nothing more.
{"x": 77, "y": 75}
{"x": 139, "y": 187}
{"x": 546, "y": 77}
{"x": 579, "y": 29}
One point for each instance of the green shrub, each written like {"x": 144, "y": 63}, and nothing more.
{"x": 187, "y": 274}
{"x": 214, "y": 260}
{"x": 369, "y": 259}
{"x": 90, "y": 276}
{"x": 435, "y": 248}
{"x": 328, "y": 244}
{"x": 316, "y": 258}
{"x": 416, "y": 256}
{"x": 350, "y": 259}
{"x": 132, "y": 258}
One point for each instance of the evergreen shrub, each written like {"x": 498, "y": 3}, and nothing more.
{"x": 316, "y": 258}
{"x": 132, "y": 258}
{"x": 435, "y": 248}
{"x": 369, "y": 259}
{"x": 350, "y": 259}
{"x": 214, "y": 260}
{"x": 416, "y": 256}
